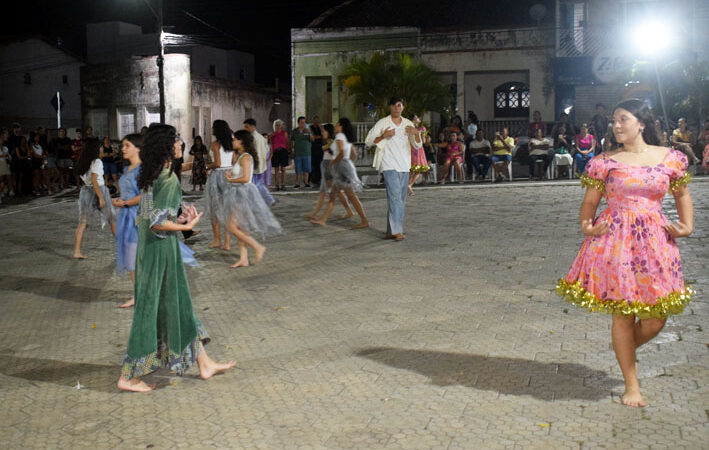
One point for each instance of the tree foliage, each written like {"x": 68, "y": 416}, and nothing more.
{"x": 375, "y": 81}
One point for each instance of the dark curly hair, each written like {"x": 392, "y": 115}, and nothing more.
{"x": 89, "y": 152}
{"x": 247, "y": 140}
{"x": 223, "y": 134}
{"x": 347, "y": 129}
{"x": 642, "y": 112}
{"x": 155, "y": 152}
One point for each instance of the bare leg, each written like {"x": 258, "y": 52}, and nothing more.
{"x": 364, "y": 223}
{"x": 459, "y": 171}
{"x": 330, "y": 206}
{"x": 208, "y": 367}
{"x": 444, "y": 172}
{"x": 78, "y": 237}
{"x": 243, "y": 255}
{"x": 130, "y": 302}
{"x": 345, "y": 204}
{"x": 318, "y": 205}
{"x": 135, "y": 384}
{"x": 113, "y": 228}
{"x": 215, "y": 232}
{"x": 306, "y": 177}
{"x": 646, "y": 329}
{"x": 244, "y": 237}
{"x": 623, "y": 336}
{"x": 227, "y": 242}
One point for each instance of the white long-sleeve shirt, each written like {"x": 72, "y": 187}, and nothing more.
{"x": 396, "y": 149}
{"x": 262, "y": 151}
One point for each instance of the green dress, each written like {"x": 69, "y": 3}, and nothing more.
{"x": 165, "y": 330}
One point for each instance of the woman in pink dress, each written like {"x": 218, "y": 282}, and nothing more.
{"x": 419, "y": 163}
{"x": 629, "y": 264}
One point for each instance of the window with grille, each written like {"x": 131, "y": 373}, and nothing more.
{"x": 512, "y": 100}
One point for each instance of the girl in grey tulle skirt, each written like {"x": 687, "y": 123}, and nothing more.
{"x": 243, "y": 210}
{"x": 344, "y": 174}
{"x": 328, "y": 132}
{"x": 94, "y": 198}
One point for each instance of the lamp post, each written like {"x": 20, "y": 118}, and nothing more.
{"x": 161, "y": 57}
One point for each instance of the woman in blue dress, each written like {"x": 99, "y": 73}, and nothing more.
{"x": 127, "y": 205}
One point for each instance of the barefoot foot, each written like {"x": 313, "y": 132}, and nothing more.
{"x": 363, "y": 224}
{"x": 128, "y": 304}
{"x": 347, "y": 215}
{"x": 318, "y": 222}
{"x": 410, "y": 191}
{"x": 214, "y": 244}
{"x": 134, "y": 385}
{"x": 226, "y": 248}
{"x": 212, "y": 368}
{"x": 259, "y": 254}
{"x": 633, "y": 399}
{"x": 79, "y": 256}
{"x": 240, "y": 263}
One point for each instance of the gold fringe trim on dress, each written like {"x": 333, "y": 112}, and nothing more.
{"x": 681, "y": 181}
{"x": 671, "y": 304}
{"x": 599, "y": 185}
{"x": 420, "y": 169}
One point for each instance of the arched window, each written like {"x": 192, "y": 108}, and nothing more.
{"x": 512, "y": 100}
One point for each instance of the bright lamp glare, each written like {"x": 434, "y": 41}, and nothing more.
{"x": 651, "y": 37}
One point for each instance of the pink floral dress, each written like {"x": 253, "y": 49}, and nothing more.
{"x": 635, "y": 268}
{"x": 419, "y": 163}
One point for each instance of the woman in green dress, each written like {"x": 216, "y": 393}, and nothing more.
{"x": 165, "y": 330}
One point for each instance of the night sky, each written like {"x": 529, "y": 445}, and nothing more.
{"x": 261, "y": 27}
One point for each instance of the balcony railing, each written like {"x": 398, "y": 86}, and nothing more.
{"x": 583, "y": 41}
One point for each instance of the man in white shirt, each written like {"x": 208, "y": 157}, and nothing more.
{"x": 259, "y": 175}
{"x": 394, "y": 136}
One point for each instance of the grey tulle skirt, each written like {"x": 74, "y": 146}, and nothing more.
{"x": 243, "y": 203}
{"x": 344, "y": 175}
{"x": 326, "y": 174}
{"x": 214, "y": 192}
{"x": 89, "y": 206}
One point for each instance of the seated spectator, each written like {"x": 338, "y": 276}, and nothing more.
{"x": 664, "y": 139}
{"x": 479, "y": 151}
{"x": 562, "y": 157}
{"x": 454, "y": 155}
{"x": 585, "y": 146}
{"x": 568, "y": 126}
{"x": 704, "y": 144}
{"x": 538, "y": 150}
{"x": 502, "y": 154}
{"x": 430, "y": 151}
{"x": 683, "y": 140}
{"x": 536, "y": 124}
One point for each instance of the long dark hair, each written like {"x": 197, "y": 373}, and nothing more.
{"x": 89, "y": 152}
{"x": 223, "y": 134}
{"x": 247, "y": 140}
{"x": 134, "y": 138}
{"x": 347, "y": 129}
{"x": 642, "y": 112}
{"x": 155, "y": 152}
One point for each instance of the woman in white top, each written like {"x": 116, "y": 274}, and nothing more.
{"x": 94, "y": 197}
{"x": 344, "y": 174}
{"x": 328, "y": 135}
{"x": 222, "y": 159}
{"x": 243, "y": 210}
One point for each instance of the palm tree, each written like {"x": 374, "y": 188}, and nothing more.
{"x": 375, "y": 81}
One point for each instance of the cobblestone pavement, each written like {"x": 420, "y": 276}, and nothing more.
{"x": 451, "y": 339}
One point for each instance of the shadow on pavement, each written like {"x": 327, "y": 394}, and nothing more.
{"x": 96, "y": 377}
{"x": 512, "y": 376}
{"x": 62, "y": 290}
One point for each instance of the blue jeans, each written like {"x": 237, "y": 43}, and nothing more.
{"x": 259, "y": 181}
{"x": 397, "y": 184}
{"x": 302, "y": 164}
{"x": 481, "y": 164}
{"x": 581, "y": 161}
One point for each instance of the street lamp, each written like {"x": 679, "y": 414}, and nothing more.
{"x": 652, "y": 38}
{"x": 161, "y": 57}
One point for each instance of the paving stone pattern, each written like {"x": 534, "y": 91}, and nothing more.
{"x": 451, "y": 339}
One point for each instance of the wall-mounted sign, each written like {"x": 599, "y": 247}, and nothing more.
{"x": 611, "y": 66}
